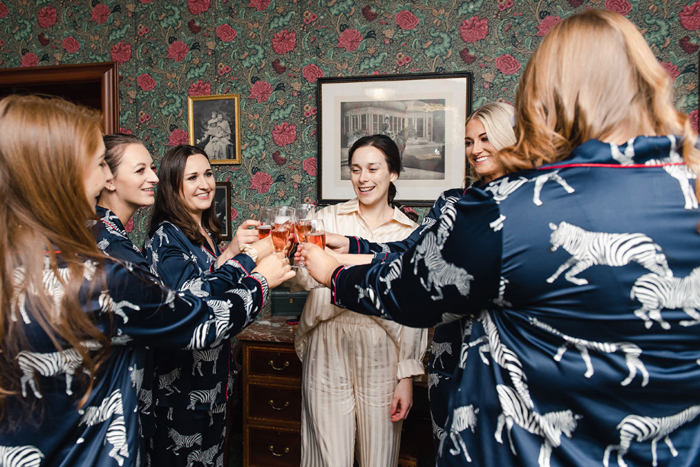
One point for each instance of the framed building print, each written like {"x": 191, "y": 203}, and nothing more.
{"x": 424, "y": 114}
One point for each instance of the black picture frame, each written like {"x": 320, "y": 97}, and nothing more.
{"x": 214, "y": 124}
{"x": 222, "y": 206}
{"x": 425, "y": 114}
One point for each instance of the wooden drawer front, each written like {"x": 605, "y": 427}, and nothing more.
{"x": 274, "y": 362}
{"x": 274, "y": 403}
{"x": 273, "y": 448}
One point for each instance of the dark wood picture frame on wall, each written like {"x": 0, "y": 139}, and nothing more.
{"x": 222, "y": 206}
{"x": 94, "y": 85}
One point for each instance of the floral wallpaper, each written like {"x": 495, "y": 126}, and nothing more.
{"x": 272, "y": 52}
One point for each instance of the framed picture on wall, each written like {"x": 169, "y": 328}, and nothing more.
{"x": 424, "y": 114}
{"x": 222, "y": 205}
{"x": 215, "y": 126}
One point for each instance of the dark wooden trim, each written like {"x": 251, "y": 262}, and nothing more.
{"x": 107, "y": 74}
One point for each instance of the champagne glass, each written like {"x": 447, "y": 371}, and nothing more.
{"x": 282, "y": 226}
{"x": 306, "y": 211}
{"x": 265, "y": 222}
{"x": 317, "y": 233}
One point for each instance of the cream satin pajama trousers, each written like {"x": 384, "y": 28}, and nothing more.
{"x": 349, "y": 377}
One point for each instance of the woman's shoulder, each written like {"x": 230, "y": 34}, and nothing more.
{"x": 164, "y": 234}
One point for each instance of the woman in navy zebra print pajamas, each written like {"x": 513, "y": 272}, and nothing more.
{"x": 191, "y": 386}
{"x": 75, "y": 322}
{"x": 488, "y": 130}
{"x": 581, "y": 269}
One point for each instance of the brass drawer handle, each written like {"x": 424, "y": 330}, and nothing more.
{"x": 272, "y": 364}
{"x": 271, "y": 448}
{"x": 272, "y": 404}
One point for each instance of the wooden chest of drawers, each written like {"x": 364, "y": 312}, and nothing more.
{"x": 271, "y": 395}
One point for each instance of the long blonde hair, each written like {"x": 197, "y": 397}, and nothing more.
{"x": 593, "y": 76}
{"x": 45, "y": 144}
{"x": 497, "y": 120}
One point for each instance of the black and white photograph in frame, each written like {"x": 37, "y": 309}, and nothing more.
{"x": 222, "y": 206}
{"x": 425, "y": 115}
{"x": 214, "y": 126}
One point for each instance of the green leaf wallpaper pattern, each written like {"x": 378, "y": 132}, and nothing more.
{"x": 272, "y": 52}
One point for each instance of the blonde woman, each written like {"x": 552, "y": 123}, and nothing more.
{"x": 580, "y": 270}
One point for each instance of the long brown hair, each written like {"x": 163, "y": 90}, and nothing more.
{"x": 169, "y": 204}
{"x": 592, "y": 77}
{"x": 45, "y": 144}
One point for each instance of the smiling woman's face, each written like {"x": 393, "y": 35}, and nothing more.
{"x": 198, "y": 184}
{"x": 370, "y": 175}
{"x": 480, "y": 152}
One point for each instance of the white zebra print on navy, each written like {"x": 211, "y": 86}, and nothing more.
{"x": 205, "y": 457}
{"x": 630, "y": 351}
{"x": 656, "y": 293}
{"x": 183, "y": 441}
{"x": 200, "y": 356}
{"x": 440, "y": 273}
{"x": 548, "y": 426}
{"x": 463, "y": 418}
{"x": 641, "y": 429}
{"x": 204, "y": 396}
{"x": 607, "y": 249}
{"x": 166, "y": 381}
{"x": 116, "y": 431}
{"x": 20, "y": 456}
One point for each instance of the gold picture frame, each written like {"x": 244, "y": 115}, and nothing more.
{"x": 215, "y": 126}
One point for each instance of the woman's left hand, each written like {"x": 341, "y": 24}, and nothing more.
{"x": 244, "y": 235}
{"x": 319, "y": 263}
{"x": 403, "y": 400}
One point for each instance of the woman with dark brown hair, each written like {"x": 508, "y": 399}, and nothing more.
{"x": 74, "y": 323}
{"x": 182, "y": 249}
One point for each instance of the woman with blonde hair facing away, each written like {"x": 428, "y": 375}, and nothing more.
{"x": 580, "y": 269}
{"x": 357, "y": 371}
{"x": 74, "y": 323}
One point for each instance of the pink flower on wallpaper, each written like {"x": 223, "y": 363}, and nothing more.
{"x": 199, "y": 88}
{"x": 259, "y": 5}
{"x": 71, "y": 45}
{"x": 312, "y": 73}
{"x": 547, "y": 23}
{"x": 284, "y": 41}
{"x": 261, "y": 181}
{"x": 619, "y": 6}
{"x": 474, "y": 29}
{"x": 284, "y": 134}
{"x": 406, "y": 20}
{"x": 261, "y": 91}
{"x": 368, "y": 13}
{"x": 278, "y": 67}
{"x": 350, "y": 39}
{"x": 146, "y": 1}
{"x": 278, "y": 158}
{"x": 129, "y": 225}
{"x": 507, "y": 64}
{"x": 687, "y": 46}
{"x": 226, "y": 33}
{"x": 671, "y": 69}
{"x": 46, "y": 17}
{"x": 100, "y": 14}
{"x": 694, "y": 120}
{"x": 467, "y": 57}
{"x": 690, "y": 17}
{"x": 309, "y": 166}
{"x": 29, "y": 59}
{"x": 234, "y": 214}
{"x": 4, "y": 11}
{"x": 178, "y": 51}
{"x": 198, "y": 6}
{"x": 121, "y": 52}
{"x": 146, "y": 82}
{"x": 177, "y": 137}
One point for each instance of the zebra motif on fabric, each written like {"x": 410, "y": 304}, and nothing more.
{"x": 110, "y": 306}
{"x": 146, "y": 400}
{"x": 200, "y": 336}
{"x": 500, "y": 300}
{"x": 221, "y": 408}
{"x": 205, "y": 457}
{"x": 393, "y": 274}
{"x": 20, "y": 456}
{"x": 656, "y": 293}
{"x": 247, "y": 299}
{"x": 607, "y": 249}
{"x": 209, "y": 355}
{"x": 204, "y": 396}
{"x": 498, "y": 223}
{"x": 183, "y": 441}
{"x": 463, "y": 418}
{"x": 166, "y": 381}
{"x": 19, "y": 298}
{"x": 136, "y": 376}
{"x": 368, "y": 294}
{"x": 626, "y": 158}
{"x": 504, "y": 187}
{"x": 654, "y": 429}
{"x": 439, "y": 348}
{"x": 195, "y": 287}
{"x": 630, "y": 351}
{"x": 116, "y": 431}
{"x": 549, "y": 426}
{"x": 542, "y": 179}
{"x": 440, "y": 273}
{"x": 48, "y": 365}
